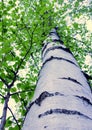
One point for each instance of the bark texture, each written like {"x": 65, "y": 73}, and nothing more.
{"x": 63, "y": 99}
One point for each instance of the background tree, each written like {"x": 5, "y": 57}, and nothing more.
{"x": 24, "y": 25}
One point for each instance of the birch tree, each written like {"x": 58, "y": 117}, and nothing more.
{"x": 24, "y": 25}
{"x": 62, "y": 99}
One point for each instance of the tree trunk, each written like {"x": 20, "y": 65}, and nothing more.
{"x": 63, "y": 99}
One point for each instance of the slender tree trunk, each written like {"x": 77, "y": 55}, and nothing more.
{"x": 63, "y": 99}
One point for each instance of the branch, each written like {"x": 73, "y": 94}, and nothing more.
{"x": 14, "y": 117}
{"x": 2, "y": 96}
{"x": 34, "y": 61}
{"x": 3, "y": 120}
{"x": 78, "y": 40}
{"x": 20, "y": 92}
{"x": 25, "y": 26}
{"x": 22, "y": 60}
{"x": 19, "y": 38}
{"x": 4, "y": 81}
{"x": 0, "y": 118}
{"x": 23, "y": 107}
{"x": 14, "y": 79}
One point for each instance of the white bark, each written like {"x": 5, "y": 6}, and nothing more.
{"x": 63, "y": 99}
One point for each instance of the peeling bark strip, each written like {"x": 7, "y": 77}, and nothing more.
{"x": 58, "y": 58}
{"x": 44, "y": 95}
{"x": 85, "y": 99}
{"x": 71, "y": 79}
{"x": 58, "y": 48}
{"x": 62, "y": 111}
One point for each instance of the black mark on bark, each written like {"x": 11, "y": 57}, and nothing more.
{"x": 45, "y": 46}
{"x": 58, "y": 48}
{"x": 71, "y": 79}
{"x": 45, "y": 126}
{"x": 29, "y": 106}
{"x": 58, "y": 40}
{"x": 62, "y": 111}
{"x": 53, "y": 32}
{"x": 58, "y": 58}
{"x": 84, "y": 99}
{"x": 44, "y": 95}
{"x": 55, "y": 40}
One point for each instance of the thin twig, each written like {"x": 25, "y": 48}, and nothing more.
{"x": 22, "y": 60}
{"x": 4, "y": 81}
{"x": 34, "y": 61}
{"x": 77, "y": 40}
{"x": 14, "y": 117}
{"x": 0, "y": 118}
{"x": 2, "y": 96}
{"x": 20, "y": 92}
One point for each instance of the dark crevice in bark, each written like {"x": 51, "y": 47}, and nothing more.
{"x": 63, "y": 111}
{"x": 58, "y": 58}
{"x": 58, "y": 48}
{"x": 71, "y": 79}
{"x": 84, "y": 99}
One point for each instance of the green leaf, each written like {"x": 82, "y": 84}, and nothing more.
{"x": 13, "y": 89}
{"x": 16, "y": 98}
{"x": 15, "y": 128}
{"x": 75, "y": 25}
{"x": 1, "y": 84}
{"x": 77, "y": 4}
{"x": 8, "y": 122}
